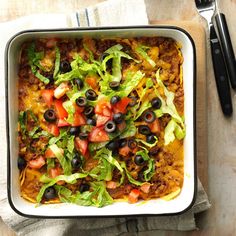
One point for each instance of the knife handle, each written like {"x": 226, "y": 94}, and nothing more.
{"x": 227, "y": 48}
{"x": 221, "y": 77}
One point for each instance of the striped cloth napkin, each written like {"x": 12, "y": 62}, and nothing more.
{"x": 109, "y": 13}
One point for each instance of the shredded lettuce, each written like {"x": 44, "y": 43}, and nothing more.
{"x": 34, "y": 58}
{"x": 24, "y": 117}
{"x": 116, "y": 54}
{"x": 71, "y": 144}
{"x": 141, "y": 50}
{"x": 103, "y": 171}
{"x": 39, "y": 134}
{"x": 129, "y": 176}
{"x": 39, "y": 76}
{"x": 132, "y": 80}
{"x": 63, "y": 134}
{"x": 91, "y": 57}
{"x": 68, "y": 76}
{"x": 80, "y": 69}
{"x": 65, "y": 163}
{"x": 69, "y": 107}
{"x": 57, "y": 62}
{"x": 70, "y": 179}
{"x": 50, "y": 163}
{"x": 168, "y": 107}
{"x": 45, "y": 179}
{"x": 22, "y": 121}
{"x": 150, "y": 171}
{"x": 130, "y": 130}
{"x": 99, "y": 197}
{"x": 106, "y": 154}
{"x": 144, "y": 104}
{"x": 172, "y": 131}
{"x": 149, "y": 145}
{"x": 103, "y": 197}
{"x": 33, "y": 131}
{"x": 96, "y": 146}
{"x": 63, "y": 193}
{"x": 176, "y": 127}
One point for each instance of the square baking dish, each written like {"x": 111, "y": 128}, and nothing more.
{"x": 63, "y": 210}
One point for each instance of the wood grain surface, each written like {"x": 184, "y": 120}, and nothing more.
{"x": 220, "y": 136}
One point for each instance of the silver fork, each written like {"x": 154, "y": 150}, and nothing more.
{"x": 206, "y": 9}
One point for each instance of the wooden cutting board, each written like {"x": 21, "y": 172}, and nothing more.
{"x": 197, "y": 32}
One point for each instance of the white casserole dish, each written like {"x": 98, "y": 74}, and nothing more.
{"x": 152, "y": 207}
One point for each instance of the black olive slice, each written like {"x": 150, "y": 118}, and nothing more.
{"x": 79, "y": 83}
{"x": 89, "y": 111}
{"x": 115, "y": 99}
{"x": 50, "y": 115}
{"x": 151, "y": 138}
{"x": 118, "y": 118}
{"x": 21, "y": 163}
{"x": 65, "y": 66}
{"x": 50, "y": 193}
{"x": 149, "y": 116}
{"x": 110, "y": 127}
{"x": 84, "y": 188}
{"x": 91, "y": 95}
{"x": 132, "y": 143}
{"x": 156, "y": 103}
{"x": 91, "y": 121}
{"x": 74, "y": 130}
{"x": 114, "y": 85}
{"x": 138, "y": 160}
{"x": 144, "y": 129}
{"x": 76, "y": 162}
{"x": 81, "y": 101}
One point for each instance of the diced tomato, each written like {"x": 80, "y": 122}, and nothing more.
{"x": 54, "y": 172}
{"x": 61, "y": 90}
{"x": 50, "y": 154}
{"x": 145, "y": 187}
{"x": 53, "y": 129}
{"x": 101, "y": 120}
{"x": 121, "y": 105}
{"x": 62, "y": 123}
{"x": 60, "y": 110}
{"x": 37, "y": 163}
{"x": 155, "y": 126}
{"x": 47, "y": 95}
{"x": 81, "y": 145}
{"x": 124, "y": 151}
{"x": 92, "y": 81}
{"x": 111, "y": 184}
{"x": 103, "y": 107}
{"x": 78, "y": 109}
{"x": 78, "y": 119}
{"x": 51, "y": 43}
{"x": 87, "y": 155}
{"x": 98, "y": 134}
{"x": 133, "y": 196}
